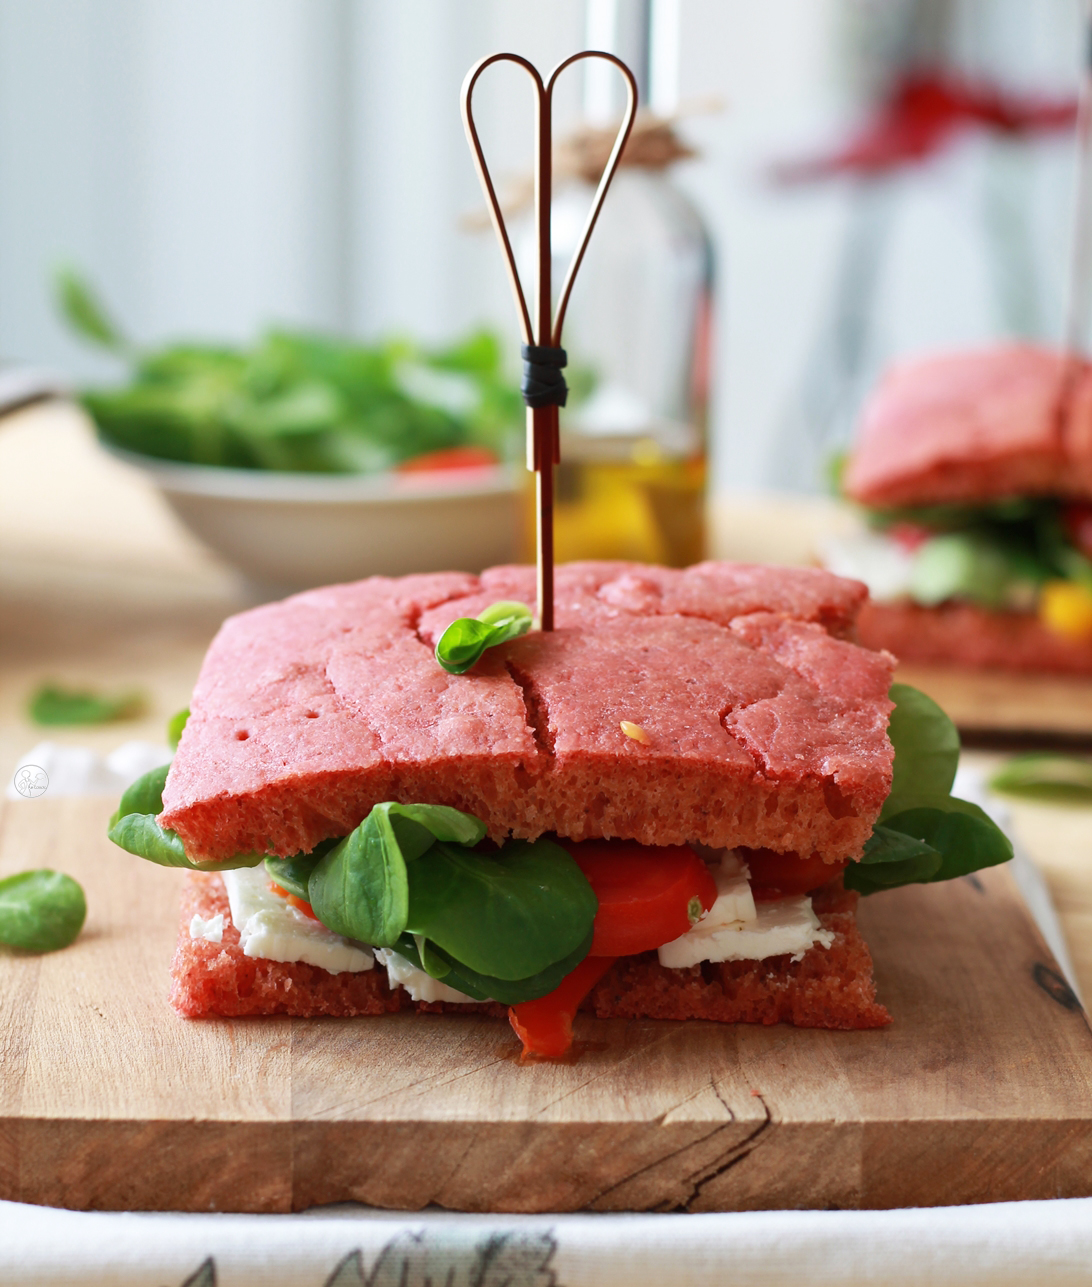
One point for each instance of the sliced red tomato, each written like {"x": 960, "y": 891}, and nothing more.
{"x": 909, "y": 535}
{"x": 293, "y": 900}
{"x": 545, "y": 1026}
{"x": 775, "y": 875}
{"x": 648, "y": 894}
{"x": 1077, "y": 521}
{"x": 466, "y": 457}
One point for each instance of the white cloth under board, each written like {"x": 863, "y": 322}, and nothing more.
{"x": 1012, "y": 1244}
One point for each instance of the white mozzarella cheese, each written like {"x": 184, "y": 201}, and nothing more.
{"x": 211, "y": 930}
{"x": 735, "y": 929}
{"x": 421, "y": 986}
{"x": 734, "y": 902}
{"x": 884, "y": 565}
{"x": 272, "y": 929}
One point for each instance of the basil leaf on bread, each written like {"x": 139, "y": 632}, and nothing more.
{"x": 464, "y": 641}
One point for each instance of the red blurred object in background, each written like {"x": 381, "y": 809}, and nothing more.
{"x": 465, "y": 457}
{"x": 925, "y": 110}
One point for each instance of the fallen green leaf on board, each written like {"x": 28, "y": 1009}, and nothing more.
{"x": 53, "y": 705}
{"x": 1046, "y": 775}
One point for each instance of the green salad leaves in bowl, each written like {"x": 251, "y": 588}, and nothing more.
{"x": 304, "y": 459}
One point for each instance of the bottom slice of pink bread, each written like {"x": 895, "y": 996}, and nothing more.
{"x": 963, "y": 634}
{"x": 828, "y": 988}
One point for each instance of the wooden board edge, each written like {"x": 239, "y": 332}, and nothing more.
{"x": 280, "y": 1167}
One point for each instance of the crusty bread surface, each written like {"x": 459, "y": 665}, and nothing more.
{"x": 765, "y": 727}
{"x": 828, "y": 988}
{"x": 964, "y": 634}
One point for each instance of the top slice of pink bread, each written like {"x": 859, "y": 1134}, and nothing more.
{"x": 765, "y": 727}
{"x": 1009, "y": 421}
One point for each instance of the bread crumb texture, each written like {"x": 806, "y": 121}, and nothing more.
{"x": 766, "y": 725}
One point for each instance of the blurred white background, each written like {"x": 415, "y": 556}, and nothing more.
{"x": 217, "y": 165}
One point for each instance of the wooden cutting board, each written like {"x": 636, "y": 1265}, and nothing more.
{"x": 981, "y": 1089}
{"x": 987, "y": 703}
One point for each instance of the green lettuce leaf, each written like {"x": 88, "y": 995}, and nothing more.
{"x": 926, "y": 746}
{"x": 509, "y": 914}
{"x": 360, "y": 888}
{"x": 483, "y": 987}
{"x": 134, "y": 827}
{"x": 924, "y": 834}
{"x": 1046, "y": 775}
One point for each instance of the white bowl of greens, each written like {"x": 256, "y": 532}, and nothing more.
{"x": 305, "y": 459}
{"x": 289, "y": 531}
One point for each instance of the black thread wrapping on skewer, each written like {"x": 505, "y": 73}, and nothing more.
{"x": 543, "y": 385}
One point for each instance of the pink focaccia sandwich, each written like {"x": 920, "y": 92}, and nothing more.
{"x": 975, "y": 474}
{"x": 667, "y": 807}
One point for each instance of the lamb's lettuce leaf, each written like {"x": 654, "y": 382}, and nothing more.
{"x": 508, "y": 914}
{"x": 925, "y": 834}
{"x": 135, "y": 828}
{"x": 509, "y": 922}
{"x": 176, "y": 725}
{"x": 86, "y": 314}
{"x": 361, "y": 887}
{"x": 926, "y": 746}
{"x": 483, "y": 987}
{"x": 292, "y": 874}
{"x": 40, "y": 911}
{"x": 1046, "y": 775}
{"x": 966, "y": 837}
{"x": 296, "y": 401}
{"x": 890, "y": 859}
{"x": 53, "y": 705}
{"x": 461, "y": 645}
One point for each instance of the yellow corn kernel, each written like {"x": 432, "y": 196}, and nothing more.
{"x": 1066, "y": 608}
{"x": 636, "y": 732}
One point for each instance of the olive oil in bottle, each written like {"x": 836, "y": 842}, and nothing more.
{"x": 631, "y": 483}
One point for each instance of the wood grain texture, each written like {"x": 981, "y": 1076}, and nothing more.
{"x": 980, "y": 1090}
{"x": 995, "y": 701}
